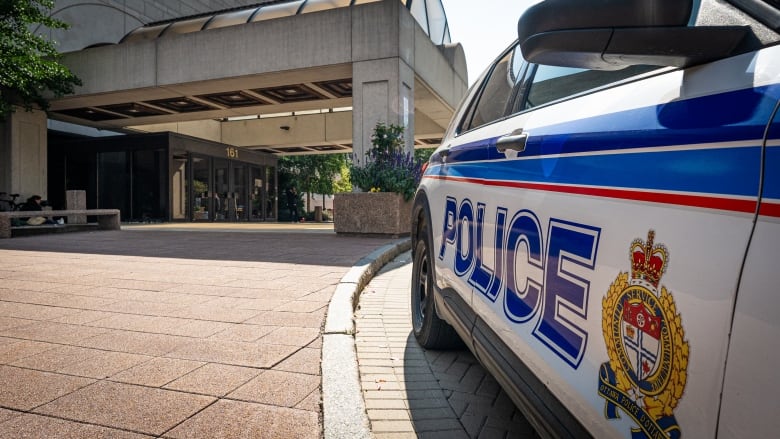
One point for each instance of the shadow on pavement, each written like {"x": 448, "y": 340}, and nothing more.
{"x": 283, "y": 247}
{"x": 464, "y": 401}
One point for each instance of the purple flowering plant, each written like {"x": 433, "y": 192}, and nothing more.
{"x": 387, "y": 168}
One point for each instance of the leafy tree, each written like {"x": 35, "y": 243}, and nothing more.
{"x": 311, "y": 173}
{"x": 343, "y": 183}
{"x": 29, "y": 64}
{"x": 423, "y": 154}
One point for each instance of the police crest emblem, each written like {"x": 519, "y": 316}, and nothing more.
{"x": 648, "y": 354}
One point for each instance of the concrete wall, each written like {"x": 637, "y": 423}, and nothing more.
{"x": 23, "y": 154}
{"x": 303, "y": 130}
{"x": 287, "y": 44}
{"x": 119, "y": 17}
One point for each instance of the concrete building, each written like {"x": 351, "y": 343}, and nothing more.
{"x": 272, "y": 77}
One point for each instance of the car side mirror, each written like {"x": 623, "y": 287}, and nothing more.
{"x": 613, "y": 34}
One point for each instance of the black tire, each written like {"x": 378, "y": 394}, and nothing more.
{"x": 430, "y": 331}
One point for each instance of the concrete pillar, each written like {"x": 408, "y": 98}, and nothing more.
{"x": 382, "y": 91}
{"x": 23, "y": 154}
{"x": 383, "y": 54}
{"x": 76, "y": 200}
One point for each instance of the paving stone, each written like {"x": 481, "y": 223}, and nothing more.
{"x": 433, "y": 413}
{"x": 6, "y": 414}
{"x": 214, "y": 379}
{"x": 437, "y": 424}
{"x": 396, "y": 415}
{"x": 59, "y": 357}
{"x": 392, "y": 426}
{"x": 35, "y": 426}
{"x": 312, "y": 403}
{"x": 53, "y": 332}
{"x": 307, "y": 361}
{"x": 383, "y": 394}
{"x": 301, "y": 306}
{"x": 292, "y": 336}
{"x": 205, "y": 312}
{"x": 236, "y": 419}
{"x": 382, "y": 404}
{"x": 83, "y": 317}
{"x": 277, "y": 387}
{"x": 157, "y": 372}
{"x": 136, "y": 342}
{"x": 25, "y": 389}
{"x": 128, "y": 407}
{"x": 406, "y": 435}
{"x": 445, "y": 394}
{"x": 11, "y": 322}
{"x": 243, "y": 332}
{"x": 289, "y": 319}
{"x": 234, "y": 353}
{"x": 445, "y": 434}
{"x": 104, "y": 364}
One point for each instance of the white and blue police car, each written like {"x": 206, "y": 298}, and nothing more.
{"x": 601, "y": 225}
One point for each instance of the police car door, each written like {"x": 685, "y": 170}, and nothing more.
{"x": 751, "y": 388}
{"x": 620, "y": 226}
{"x": 466, "y": 163}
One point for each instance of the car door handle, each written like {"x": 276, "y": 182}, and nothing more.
{"x": 515, "y": 141}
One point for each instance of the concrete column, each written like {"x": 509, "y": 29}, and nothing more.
{"x": 23, "y": 154}
{"x": 76, "y": 200}
{"x": 382, "y": 91}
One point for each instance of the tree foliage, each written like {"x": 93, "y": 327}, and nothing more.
{"x": 342, "y": 182}
{"x": 312, "y": 173}
{"x": 29, "y": 63}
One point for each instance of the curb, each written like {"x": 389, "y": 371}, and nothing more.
{"x": 344, "y": 411}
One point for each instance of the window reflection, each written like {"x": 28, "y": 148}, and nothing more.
{"x": 200, "y": 188}
{"x": 230, "y": 19}
{"x": 179, "y": 187}
{"x": 321, "y": 5}
{"x": 437, "y": 21}
{"x": 277, "y": 11}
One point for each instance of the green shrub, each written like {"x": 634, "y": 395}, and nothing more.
{"x": 388, "y": 168}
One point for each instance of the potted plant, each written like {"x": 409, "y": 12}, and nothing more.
{"x": 383, "y": 187}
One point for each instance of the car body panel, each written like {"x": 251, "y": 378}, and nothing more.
{"x": 751, "y": 388}
{"x": 673, "y": 159}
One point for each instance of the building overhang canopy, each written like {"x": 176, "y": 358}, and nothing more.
{"x": 287, "y": 66}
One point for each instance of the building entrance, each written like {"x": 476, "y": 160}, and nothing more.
{"x": 229, "y": 190}
{"x": 163, "y": 177}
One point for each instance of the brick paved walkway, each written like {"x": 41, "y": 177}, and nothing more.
{"x": 412, "y": 392}
{"x": 134, "y": 333}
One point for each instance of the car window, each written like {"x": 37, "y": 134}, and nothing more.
{"x": 513, "y": 86}
{"x": 496, "y": 91}
{"x": 551, "y": 83}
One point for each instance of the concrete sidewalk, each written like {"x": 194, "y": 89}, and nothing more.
{"x": 412, "y": 392}
{"x": 148, "y": 332}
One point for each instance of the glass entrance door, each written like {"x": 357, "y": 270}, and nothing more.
{"x": 227, "y": 190}
{"x": 201, "y": 189}
{"x": 221, "y": 189}
{"x": 257, "y": 181}
{"x": 240, "y": 192}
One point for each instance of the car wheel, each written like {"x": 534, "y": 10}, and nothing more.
{"x": 430, "y": 331}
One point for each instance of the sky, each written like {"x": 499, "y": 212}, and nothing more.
{"x": 484, "y": 28}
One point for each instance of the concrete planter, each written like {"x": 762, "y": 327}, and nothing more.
{"x": 372, "y": 213}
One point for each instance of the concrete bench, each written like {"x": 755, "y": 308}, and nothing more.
{"x": 108, "y": 219}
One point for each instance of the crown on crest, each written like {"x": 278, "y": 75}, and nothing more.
{"x": 648, "y": 262}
